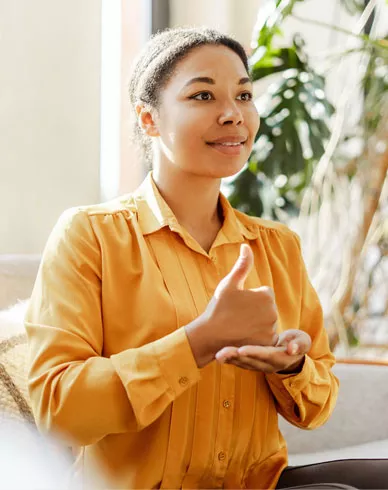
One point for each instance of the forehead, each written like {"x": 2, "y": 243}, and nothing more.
{"x": 217, "y": 62}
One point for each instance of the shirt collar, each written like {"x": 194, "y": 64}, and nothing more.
{"x": 154, "y": 214}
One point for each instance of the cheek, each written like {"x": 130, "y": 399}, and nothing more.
{"x": 185, "y": 131}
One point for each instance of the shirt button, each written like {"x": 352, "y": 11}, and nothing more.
{"x": 226, "y": 404}
{"x": 183, "y": 381}
{"x": 221, "y": 456}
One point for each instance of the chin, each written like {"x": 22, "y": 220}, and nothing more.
{"x": 215, "y": 167}
{"x": 216, "y": 173}
{"x": 227, "y": 169}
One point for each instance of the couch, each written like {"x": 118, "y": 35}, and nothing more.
{"x": 358, "y": 427}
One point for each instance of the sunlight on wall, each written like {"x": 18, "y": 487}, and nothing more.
{"x": 110, "y": 97}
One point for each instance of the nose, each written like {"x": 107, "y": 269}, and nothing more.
{"x": 230, "y": 114}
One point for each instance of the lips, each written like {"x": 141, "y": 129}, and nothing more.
{"x": 228, "y": 140}
{"x": 228, "y": 145}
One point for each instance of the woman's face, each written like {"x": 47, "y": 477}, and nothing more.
{"x": 206, "y": 122}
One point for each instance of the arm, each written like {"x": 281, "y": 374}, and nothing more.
{"x": 307, "y": 398}
{"x": 74, "y": 390}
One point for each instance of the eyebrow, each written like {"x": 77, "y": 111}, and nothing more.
{"x": 210, "y": 81}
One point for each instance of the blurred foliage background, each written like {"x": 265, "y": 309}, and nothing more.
{"x": 322, "y": 176}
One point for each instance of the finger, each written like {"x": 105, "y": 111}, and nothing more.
{"x": 226, "y": 354}
{"x": 266, "y": 290}
{"x": 266, "y": 367}
{"x": 237, "y": 276}
{"x": 276, "y": 357}
{"x": 275, "y": 338}
{"x": 259, "y": 351}
{"x": 287, "y": 336}
{"x": 293, "y": 349}
{"x": 296, "y": 341}
{"x": 300, "y": 345}
{"x": 252, "y": 364}
{"x": 268, "y": 294}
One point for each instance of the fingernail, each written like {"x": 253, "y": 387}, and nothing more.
{"x": 294, "y": 349}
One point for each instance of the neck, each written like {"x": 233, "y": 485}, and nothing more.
{"x": 193, "y": 199}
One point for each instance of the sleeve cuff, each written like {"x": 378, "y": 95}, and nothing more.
{"x": 176, "y": 361}
{"x": 155, "y": 374}
{"x": 284, "y": 385}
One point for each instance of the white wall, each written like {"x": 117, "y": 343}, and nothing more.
{"x": 49, "y": 115}
{"x": 235, "y": 17}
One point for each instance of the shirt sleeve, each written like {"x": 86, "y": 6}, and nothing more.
{"x": 75, "y": 392}
{"x": 307, "y": 399}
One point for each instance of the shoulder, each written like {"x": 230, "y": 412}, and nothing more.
{"x": 91, "y": 222}
{"x": 123, "y": 206}
{"x": 272, "y": 229}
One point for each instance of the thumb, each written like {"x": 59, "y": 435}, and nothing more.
{"x": 237, "y": 276}
{"x": 295, "y": 341}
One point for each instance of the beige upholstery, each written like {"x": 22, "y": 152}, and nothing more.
{"x": 14, "y": 400}
{"x": 17, "y": 277}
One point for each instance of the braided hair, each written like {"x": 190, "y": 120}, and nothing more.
{"x": 156, "y": 64}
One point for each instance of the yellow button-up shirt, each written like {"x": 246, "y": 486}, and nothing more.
{"x": 111, "y": 367}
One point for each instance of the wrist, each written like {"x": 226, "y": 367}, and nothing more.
{"x": 201, "y": 344}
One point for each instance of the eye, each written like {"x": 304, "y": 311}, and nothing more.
{"x": 245, "y": 96}
{"x": 202, "y": 96}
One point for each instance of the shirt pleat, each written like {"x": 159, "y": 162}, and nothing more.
{"x": 182, "y": 415}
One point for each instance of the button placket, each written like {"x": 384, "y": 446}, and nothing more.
{"x": 179, "y": 285}
{"x": 225, "y": 421}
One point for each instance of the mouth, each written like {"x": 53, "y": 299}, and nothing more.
{"x": 228, "y": 147}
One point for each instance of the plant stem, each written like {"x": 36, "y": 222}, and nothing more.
{"x": 362, "y": 37}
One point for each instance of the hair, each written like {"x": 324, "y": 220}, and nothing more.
{"x": 157, "y": 62}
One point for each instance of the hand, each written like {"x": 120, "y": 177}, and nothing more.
{"x": 286, "y": 357}
{"x": 234, "y": 316}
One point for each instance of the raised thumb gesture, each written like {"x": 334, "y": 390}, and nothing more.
{"x": 242, "y": 267}
{"x": 234, "y": 316}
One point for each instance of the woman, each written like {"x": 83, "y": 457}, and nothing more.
{"x": 167, "y": 330}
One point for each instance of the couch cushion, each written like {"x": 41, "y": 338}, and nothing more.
{"x": 370, "y": 450}
{"x": 14, "y": 400}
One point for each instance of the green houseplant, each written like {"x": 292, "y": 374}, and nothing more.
{"x": 301, "y": 166}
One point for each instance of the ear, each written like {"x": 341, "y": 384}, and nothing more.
{"x": 146, "y": 119}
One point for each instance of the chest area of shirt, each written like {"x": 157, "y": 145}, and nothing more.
{"x": 169, "y": 286}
